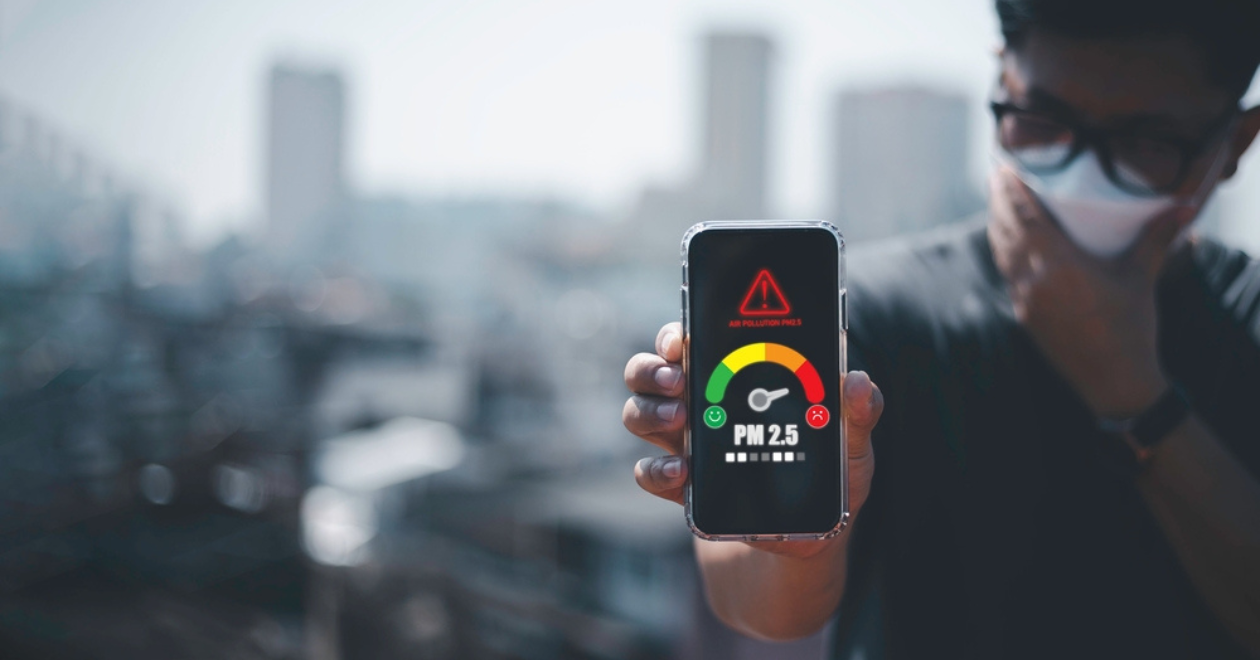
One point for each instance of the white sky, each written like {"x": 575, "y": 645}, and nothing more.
{"x": 584, "y": 99}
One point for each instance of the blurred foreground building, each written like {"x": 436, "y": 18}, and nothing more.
{"x": 156, "y": 418}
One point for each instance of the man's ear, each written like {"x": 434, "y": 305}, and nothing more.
{"x": 1244, "y": 134}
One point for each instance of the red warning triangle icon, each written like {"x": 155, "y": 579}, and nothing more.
{"x": 764, "y": 297}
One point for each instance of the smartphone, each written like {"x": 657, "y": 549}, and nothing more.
{"x": 764, "y": 321}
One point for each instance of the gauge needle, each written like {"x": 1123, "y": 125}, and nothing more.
{"x": 760, "y": 399}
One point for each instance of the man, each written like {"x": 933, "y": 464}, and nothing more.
{"x": 1068, "y": 463}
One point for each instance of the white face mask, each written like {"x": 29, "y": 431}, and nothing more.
{"x": 1098, "y": 216}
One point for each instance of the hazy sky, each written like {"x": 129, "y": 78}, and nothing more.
{"x": 583, "y": 99}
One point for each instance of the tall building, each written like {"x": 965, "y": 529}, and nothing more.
{"x": 732, "y": 177}
{"x": 305, "y": 154}
{"x": 900, "y": 161}
{"x": 8, "y": 131}
{"x": 736, "y": 99}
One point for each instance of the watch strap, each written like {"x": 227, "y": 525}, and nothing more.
{"x": 1155, "y": 423}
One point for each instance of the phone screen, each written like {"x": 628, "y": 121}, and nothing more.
{"x": 763, "y": 374}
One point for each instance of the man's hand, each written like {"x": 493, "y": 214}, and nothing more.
{"x": 1094, "y": 319}
{"x": 656, "y": 413}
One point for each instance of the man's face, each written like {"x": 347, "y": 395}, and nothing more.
{"x": 1156, "y": 85}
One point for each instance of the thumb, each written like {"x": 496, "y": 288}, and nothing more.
{"x": 863, "y": 405}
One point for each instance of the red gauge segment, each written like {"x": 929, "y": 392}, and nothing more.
{"x": 813, "y": 384}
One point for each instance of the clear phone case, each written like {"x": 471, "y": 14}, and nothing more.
{"x": 719, "y": 225}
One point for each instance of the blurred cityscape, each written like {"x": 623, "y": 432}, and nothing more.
{"x": 387, "y": 426}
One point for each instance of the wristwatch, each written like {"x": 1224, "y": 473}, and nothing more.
{"x": 1152, "y": 425}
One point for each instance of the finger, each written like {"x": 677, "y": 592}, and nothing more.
{"x": 662, "y": 476}
{"x": 1014, "y": 229}
{"x": 1148, "y": 254}
{"x": 1027, "y": 208}
{"x": 656, "y": 419}
{"x": 651, "y": 374}
{"x": 669, "y": 342}
{"x": 863, "y": 405}
{"x": 1004, "y": 230}
{"x": 1041, "y": 229}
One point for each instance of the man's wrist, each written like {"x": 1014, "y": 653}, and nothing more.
{"x": 1147, "y": 455}
{"x": 1120, "y": 391}
{"x": 1145, "y": 430}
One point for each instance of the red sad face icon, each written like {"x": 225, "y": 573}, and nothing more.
{"x": 817, "y": 416}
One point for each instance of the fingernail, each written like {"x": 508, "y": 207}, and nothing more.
{"x": 667, "y": 377}
{"x": 668, "y": 411}
{"x": 668, "y": 342}
{"x": 672, "y": 467}
{"x": 853, "y": 379}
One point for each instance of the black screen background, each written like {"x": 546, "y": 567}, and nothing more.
{"x": 764, "y": 498}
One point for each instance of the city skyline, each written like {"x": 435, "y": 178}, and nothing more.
{"x": 587, "y": 104}
{"x": 370, "y": 409}
{"x": 610, "y": 103}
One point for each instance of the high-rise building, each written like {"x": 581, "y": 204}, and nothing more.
{"x": 8, "y": 131}
{"x": 732, "y": 177}
{"x": 305, "y": 154}
{"x": 736, "y": 99}
{"x": 900, "y": 161}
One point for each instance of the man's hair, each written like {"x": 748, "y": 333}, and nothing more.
{"x": 1226, "y": 31}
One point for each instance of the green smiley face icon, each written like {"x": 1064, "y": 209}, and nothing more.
{"x": 714, "y": 417}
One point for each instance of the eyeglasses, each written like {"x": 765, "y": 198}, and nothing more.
{"x": 1139, "y": 163}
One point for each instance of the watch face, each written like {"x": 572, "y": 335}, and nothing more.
{"x": 763, "y": 381}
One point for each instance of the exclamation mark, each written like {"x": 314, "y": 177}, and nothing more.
{"x": 765, "y": 301}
